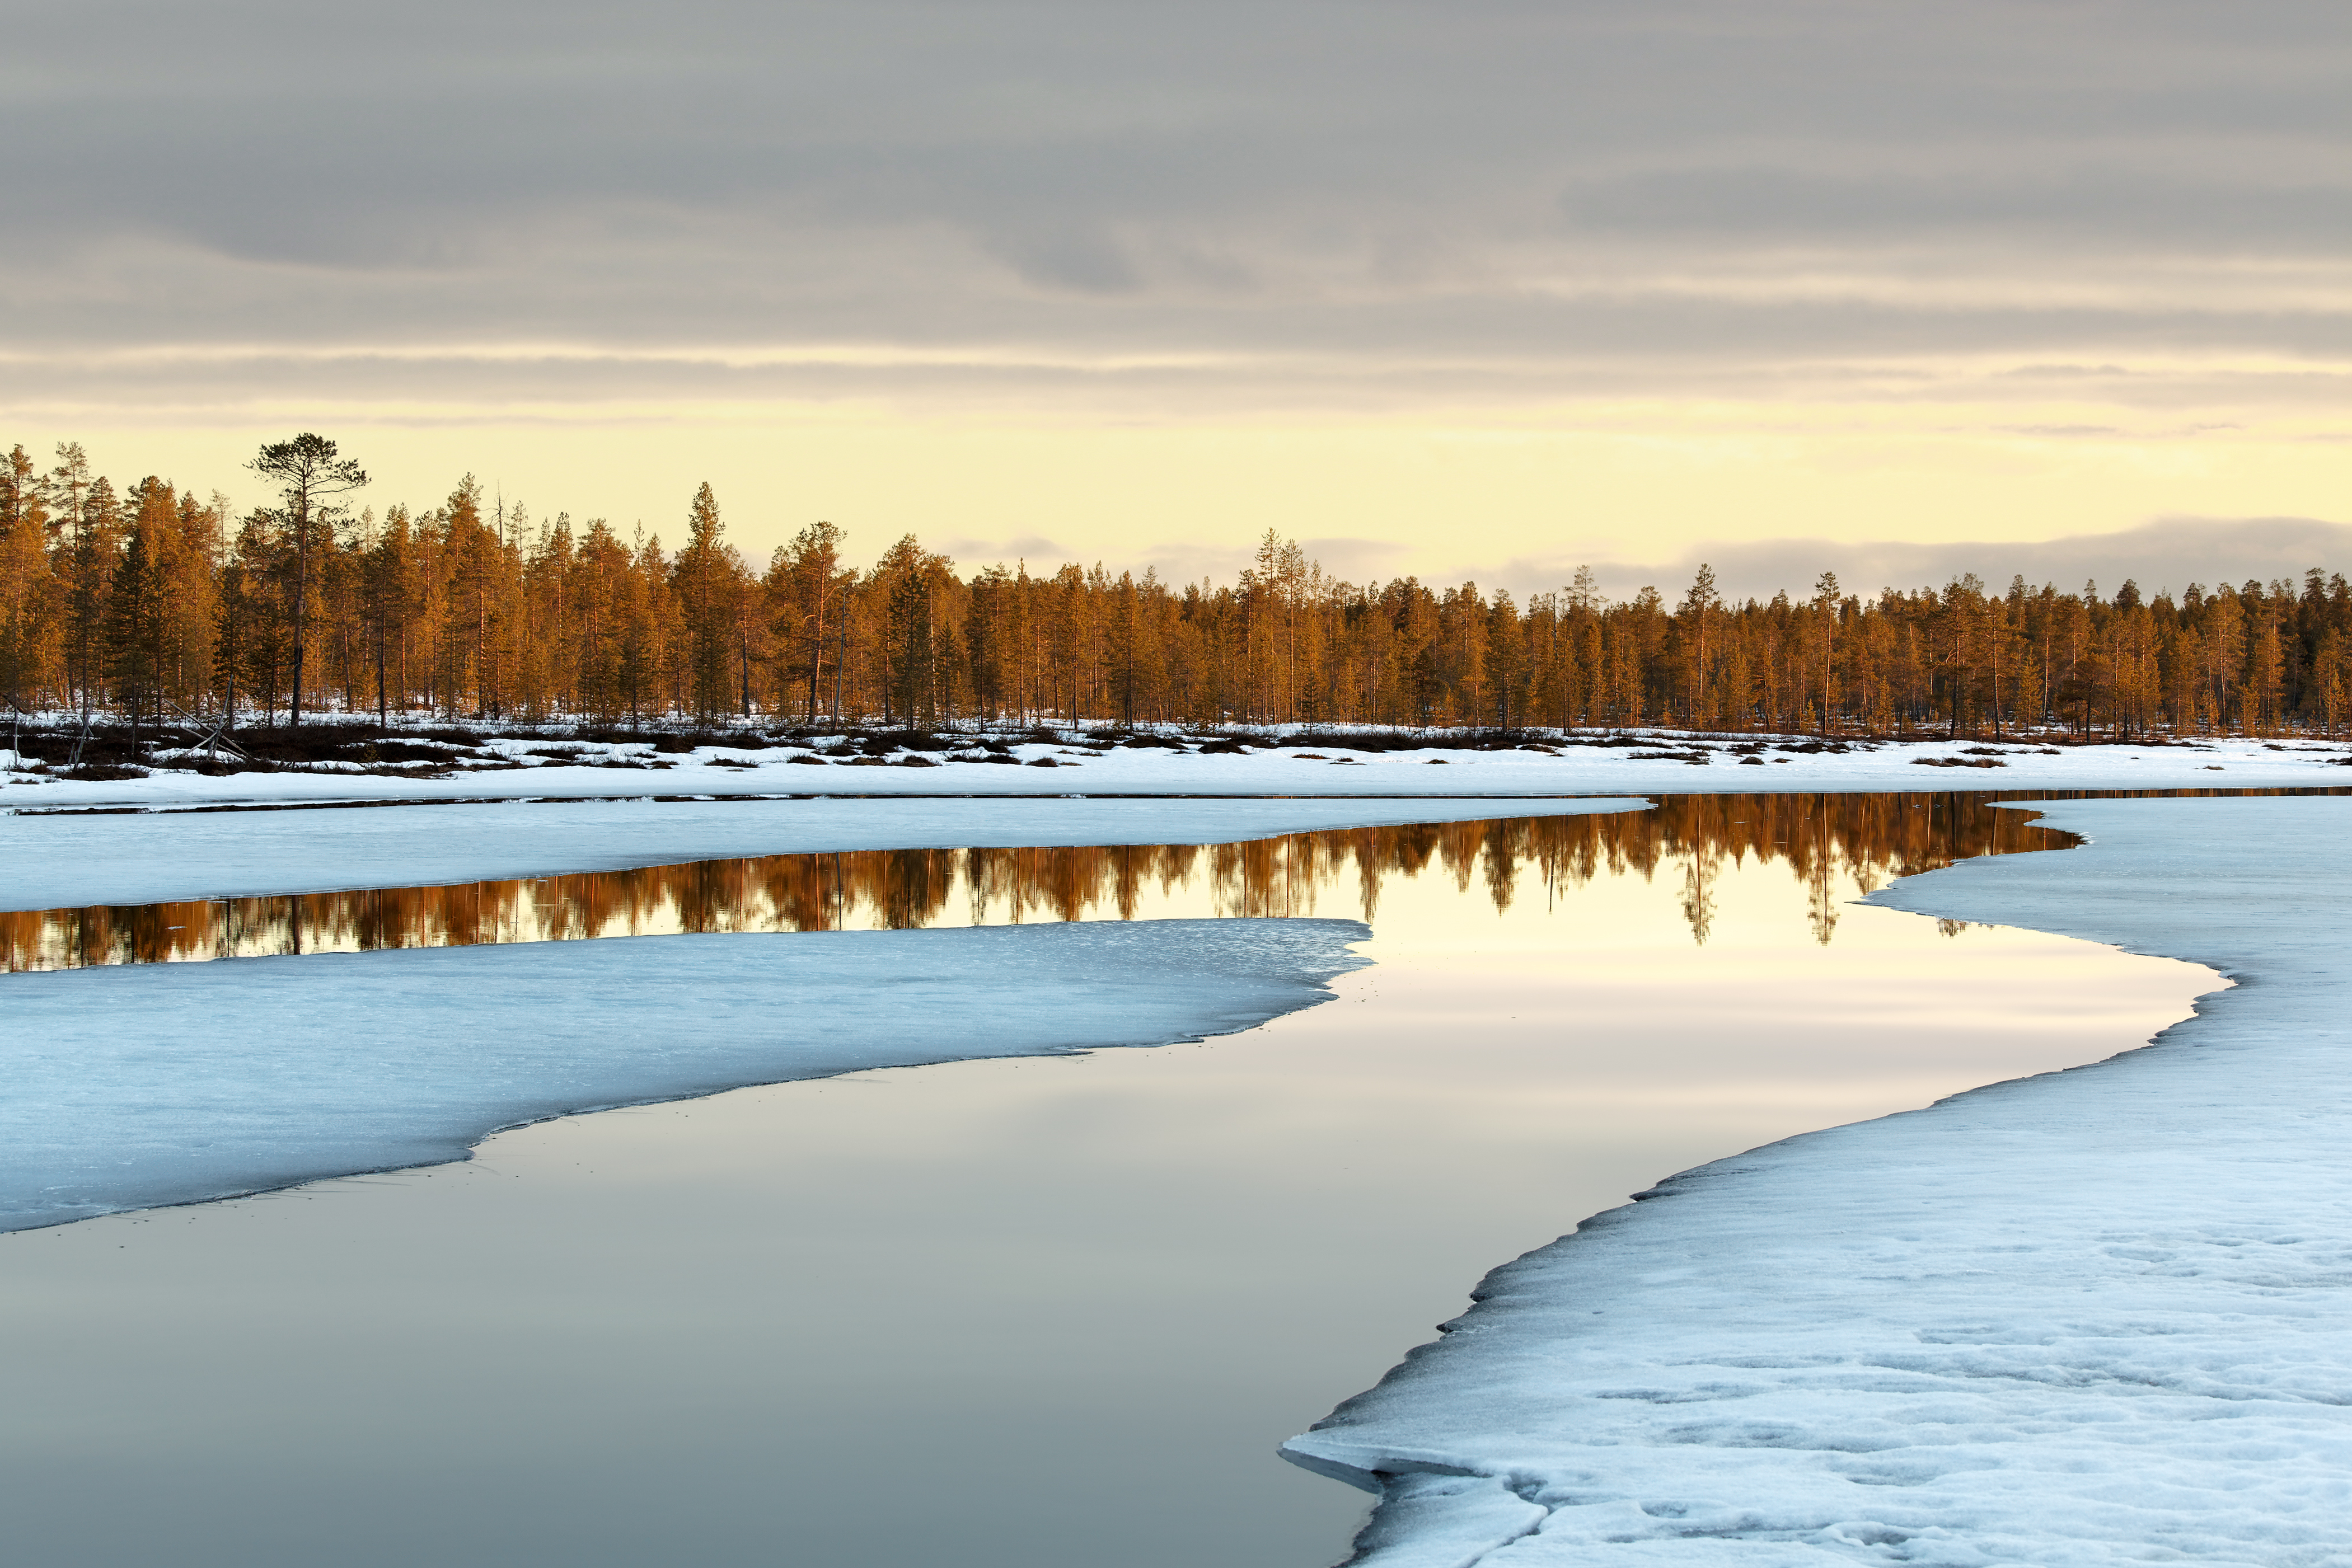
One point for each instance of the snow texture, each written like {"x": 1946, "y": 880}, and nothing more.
{"x": 133, "y": 1087}
{"x": 65, "y": 861}
{"x": 1301, "y": 766}
{"x": 2102, "y": 1316}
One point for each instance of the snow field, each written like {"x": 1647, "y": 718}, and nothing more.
{"x": 67, "y": 862}
{"x": 128, "y": 1088}
{"x": 1301, "y": 766}
{"x": 2102, "y": 1316}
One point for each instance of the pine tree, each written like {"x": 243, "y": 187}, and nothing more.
{"x": 134, "y": 627}
{"x": 804, "y": 586}
{"x": 390, "y": 596}
{"x": 25, "y": 579}
{"x": 909, "y": 579}
{"x": 310, "y": 476}
{"x": 246, "y": 636}
{"x": 704, "y": 579}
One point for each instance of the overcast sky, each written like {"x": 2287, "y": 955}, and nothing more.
{"x": 2087, "y": 240}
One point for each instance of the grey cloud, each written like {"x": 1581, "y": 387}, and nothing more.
{"x": 2170, "y": 553}
{"x": 1375, "y": 181}
{"x": 1181, "y": 562}
{"x": 416, "y": 388}
{"x": 2167, "y": 554}
{"x": 1091, "y": 263}
{"x": 976, "y": 554}
{"x": 2108, "y": 207}
{"x": 1354, "y": 559}
{"x": 2062, "y": 372}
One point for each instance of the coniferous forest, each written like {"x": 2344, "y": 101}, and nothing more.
{"x": 147, "y": 603}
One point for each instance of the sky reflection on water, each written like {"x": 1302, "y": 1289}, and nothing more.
{"x": 1826, "y": 841}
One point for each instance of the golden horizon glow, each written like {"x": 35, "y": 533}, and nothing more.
{"x": 1444, "y": 493}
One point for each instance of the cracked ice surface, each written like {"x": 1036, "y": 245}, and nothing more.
{"x": 2101, "y": 1316}
{"x": 127, "y": 1088}
{"x": 55, "y": 861}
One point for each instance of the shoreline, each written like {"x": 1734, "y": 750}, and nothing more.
{"x": 136, "y": 857}
{"x": 1143, "y": 1266}
{"x": 163, "y": 1085}
{"x": 2042, "y": 1319}
{"x": 1301, "y": 767}
{"x": 1455, "y": 1483}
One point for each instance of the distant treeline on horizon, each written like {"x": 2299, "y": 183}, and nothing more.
{"x": 146, "y": 600}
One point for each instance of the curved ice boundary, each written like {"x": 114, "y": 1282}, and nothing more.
{"x": 134, "y": 1087}
{"x": 2099, "y": 1316}
{"x": 55, "y": 861}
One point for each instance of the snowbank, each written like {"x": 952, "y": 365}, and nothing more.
{"x": 2092, "y": 1317}
{"x": 127, "y": 1088}
{"x": 61, "y": 862}
{"x": 1639, "y": 765}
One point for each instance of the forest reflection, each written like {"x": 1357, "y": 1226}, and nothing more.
{"x": 1833, "y": 845}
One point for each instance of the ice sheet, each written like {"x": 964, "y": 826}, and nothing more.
{"x": 1633, "y": 763}
{"x": 127, "y": 1088}
{"x": 2091, "y": 1317}
{"x": 63, "y": 862}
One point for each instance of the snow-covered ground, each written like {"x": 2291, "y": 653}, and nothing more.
{"x": 70, "y": 861}
{"x": 127, "y": 1088}
{"x": 2102, "y": 1316}
{"x": 506, "y": 769}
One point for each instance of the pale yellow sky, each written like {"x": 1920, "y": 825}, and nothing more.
{"x": 1516, "y": 497}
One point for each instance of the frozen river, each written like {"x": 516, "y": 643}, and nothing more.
{"x": 1035, "y": 1311}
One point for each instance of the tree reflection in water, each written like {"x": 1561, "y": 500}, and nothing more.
{"x": 1825, "y": 840}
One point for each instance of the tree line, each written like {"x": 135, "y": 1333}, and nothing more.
{"x": 147, "y": 601}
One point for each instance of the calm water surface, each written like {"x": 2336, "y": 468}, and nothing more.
{"x": 1868, "y": 839}
{"x": 1039, "y": 1312}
